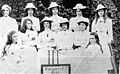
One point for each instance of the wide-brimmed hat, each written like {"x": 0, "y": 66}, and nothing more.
{"x": 6, "y": 6}
{"x": 79, "y": 6}
{"x": 100, "y": 6}
{"x": 30, "y": 5}
{"x": 64, "y": 20}
{"x": 46, "y": 19}
{"x": 53, "y": 4}
{"x": 86, "y": 21}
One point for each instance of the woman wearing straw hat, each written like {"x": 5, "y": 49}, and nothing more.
{"x": 45, "y": 41}
{"x": 30, "y": 9}
{"x": 54, "y": 8}
{"x": 64, "y": 37}
{"x": 7, "y": 23}
{"x": 73, "y": 21}
{"x": 103, "y": 26}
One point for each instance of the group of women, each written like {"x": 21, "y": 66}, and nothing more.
{"x": 25, "y": 50}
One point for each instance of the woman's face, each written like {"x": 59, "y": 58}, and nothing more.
{"x": 54, "y": 10}
{"x": 6, "y": 12}
{"x": 15, "y": 38}
{"x": 29, "y": 24}
{"x": 78, "y": 12}
{"x": 101, "y": 12}
{"x": 30, "y": 11}
{"x": 82, "y": 26}
{"x": 46, "y": 25}
{"x": 64, "y": 26}
{"x": 92, "y": 39}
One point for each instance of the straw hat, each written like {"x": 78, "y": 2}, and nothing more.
{"x": 100, "y": 6}
{"x": 64, "y": 20}
{"x": 46, "y": 19}
{"x": 86, "y": 21}
{"x": 6, "y": 6}
{"x": 30, "y": 5}
{"x": 53, "y": 4}
{"x": 79, "y": 6}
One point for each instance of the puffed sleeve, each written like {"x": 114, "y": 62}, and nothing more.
{"x": 110, "y": 29}
{"x": 39, "y": 40}
{"x": 93, "y": 26}
{"x": 37, "y": 25}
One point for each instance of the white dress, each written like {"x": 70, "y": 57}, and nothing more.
{"x": 45, "y": 40}
{"x": 74, "y": 23}
{"x": 105, "y": 34}
{"x": 93, "y": 61}
{"x": 36, "y": 22}
{"x": 30, "y": 52}
{"x": 7, "y": 24}
{"x": 64, "y": 42}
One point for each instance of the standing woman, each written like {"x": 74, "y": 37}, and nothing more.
{"x": 54, "y": 9}
{"x": 79, "y": 16}
{"x": 28, "y": 36}
{"x": 7, "y": 23}
{"x": 103, "y": 26}
{"x": 30, "y": 9}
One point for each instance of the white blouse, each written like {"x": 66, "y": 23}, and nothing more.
{"x": 64, "y": 39}
{"x": 56, "y": 22}
{"x": 46, "y": 38}
{"x": 103, "y": 28}
{"x": 81, "y": 38}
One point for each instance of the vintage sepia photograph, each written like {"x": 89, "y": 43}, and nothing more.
{"x": 59, "y": 36}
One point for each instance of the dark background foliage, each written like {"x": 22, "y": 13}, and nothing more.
{"x": 66, "y": 11}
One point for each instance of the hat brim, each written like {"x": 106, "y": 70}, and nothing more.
{"x": 46, "y": 21}
{"x": 30, "y": 8}
{"x": 86, "y": 23}
{"x": 53, "y": 7}
{"x": 101, "y": 9}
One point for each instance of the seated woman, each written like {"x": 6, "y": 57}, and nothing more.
{"x": 81, "y": 37}
{"x": 64, "y": 41}
{"x": 45, "y": 41}
{"x": 14, "y": 59}
{"x": 92, "y": 60}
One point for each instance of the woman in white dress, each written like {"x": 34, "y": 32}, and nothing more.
{"x": 46, "y": 42}
{"x": 81, "y": 39}
{"x": 54, "y": 9}
{"x": 28, "y": 37}
{"x": 30, "y": 9}
{"x": 73, "y": 21}
{"x": 7, "y": 24}
{"x": 13, "y": 60}
{"x": 93, "y": 61}
{"x": 64, "y": 41}
{"x": 103, "y": 26}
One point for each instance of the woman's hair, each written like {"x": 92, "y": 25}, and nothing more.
{"x": 97, "y": 40}
{"x": 67, "y": 23}
{"x": 42, "y": 25}
{"x": 50, "y": 13}
{"x": 9, "y": 38}
{"x": 86, "y": 24}
{"x": 34, "y": 11}
{"x": 97, "y": 16}
{"x": 24, "y": 26}
{"x": 2, "y": 12}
